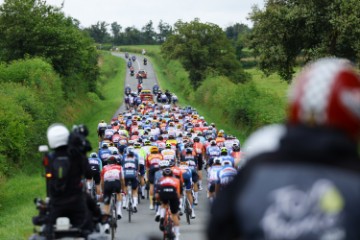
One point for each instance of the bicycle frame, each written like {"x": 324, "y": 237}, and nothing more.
{"x": 168, "y": 225}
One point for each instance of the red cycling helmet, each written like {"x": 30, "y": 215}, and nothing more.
{"x": 327, "y": 92}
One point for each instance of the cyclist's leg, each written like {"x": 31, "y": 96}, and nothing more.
{"x": 134, "y": 187}
{"x": 174, "y": 208}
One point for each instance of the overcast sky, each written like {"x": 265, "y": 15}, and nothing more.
{"x": 137, "y": 13}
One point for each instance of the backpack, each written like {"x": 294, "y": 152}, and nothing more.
{"x": 59, "y": 167}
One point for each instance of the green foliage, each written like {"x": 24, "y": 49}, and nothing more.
{"x": 32, "y": 28}
{"x": 204, "y": 50}
{"x": 285, "y": 30}
{"x": 31, "y": 95}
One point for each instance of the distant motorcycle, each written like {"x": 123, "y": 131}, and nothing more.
{"x": 133, "y": 58}
{"x": 145, "y": 61}
{"x": 132, "y": 71}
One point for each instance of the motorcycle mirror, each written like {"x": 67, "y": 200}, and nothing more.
{"x": 43, "y": 148}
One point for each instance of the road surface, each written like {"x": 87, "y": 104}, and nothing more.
{"x": 142, "y": 223}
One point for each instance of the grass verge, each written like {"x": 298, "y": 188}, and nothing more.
{"x": 18, "y": 192}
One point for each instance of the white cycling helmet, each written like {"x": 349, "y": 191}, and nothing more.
{"x": 57, "y": 135}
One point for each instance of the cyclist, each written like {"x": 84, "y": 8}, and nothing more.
{"x": 127, "y": 89}
{"x": 236, "y": 154}
{"x": 190, "y": 158}
{"x": 101, "y": 129}
{"x": 93, "y": 173}
{"x": 158, "y": 174}
{"x": 142, "y": 156}
{"x": 300, "y": 179}
{"x": 213, "y": 178}
{"x": 199, "y": 150}
{"x": 226, "y": 174}
{"x": 131, "y": 168}
{"x": 212, "y": 151}
{"x": 169, "y": 194}
{"x": 112, "y": 181}
{"x": 104, "y": 153}
{"x": 152, "y": 165}
{"x": 168, "y": 153}
{"x": 226, "y": 157}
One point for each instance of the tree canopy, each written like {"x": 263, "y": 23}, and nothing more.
{"x": 288, "y": 30}
{"x": 203, "y": 49}
{"x": 32, "y": 28}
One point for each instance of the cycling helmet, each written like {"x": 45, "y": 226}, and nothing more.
{"x": 111, "y": 159}
{"x": 147, "y": 143}
{"x": 164, "y": 164}
{"x": 217, "y": 160}
{"x": 167, "y": 172}
{"x": 326, "y": 93}
{"x": 105, "y": 145}
{"x": 154, "y": 149}
{"x": 57, "y": 135}
{"x": 130, "y": 153}
{"x": 213, "y": 143}
{"x": 224, "y": 150}
{"x": 196, "y": 139}
{"x": 236, "y": 148}
{"x": 188, "y": 151}
{"x": 226, "y": 162}
{"x": 137, "y": 145}
{"x": 168, "y": 145}
{"x": 131, "y": 142}
{"x": 115, "y": 152}
{"x": 93, "y": 155}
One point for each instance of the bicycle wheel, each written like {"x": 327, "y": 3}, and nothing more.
{"x": 169, "y": 233}
{"x": 187, "y": 210}
{"x": 113, "y": 216}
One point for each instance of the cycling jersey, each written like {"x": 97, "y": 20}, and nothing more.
{"x": 130, "y": 166}
{"x": 112, "y": 172}
{"x": 168, "y": 154}
{"x": 226, "y": 174}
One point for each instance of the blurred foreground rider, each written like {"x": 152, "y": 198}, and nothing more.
{"x": 67, "y": 165}
{"x": 300, "y": 180}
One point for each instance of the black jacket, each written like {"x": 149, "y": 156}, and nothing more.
{"x": 306, "y": 188}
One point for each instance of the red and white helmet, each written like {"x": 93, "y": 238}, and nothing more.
{"x": 327, "y": 92}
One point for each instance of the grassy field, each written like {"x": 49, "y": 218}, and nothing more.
{"x": 17, "y": 193}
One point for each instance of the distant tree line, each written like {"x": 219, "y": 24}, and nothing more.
{"x": 129, "y": 35}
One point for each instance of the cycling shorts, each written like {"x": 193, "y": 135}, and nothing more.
{"x": 109, "y": 188}
{"x": 211, "y": 187}
{"x": 170, "y": 198}
{"x": 93, "y": 172}
{"x": 142, "y": 169}
{"x": 152, "y": 174}
{"x": 134, "y": 182}
{"x": 187, "y": 181}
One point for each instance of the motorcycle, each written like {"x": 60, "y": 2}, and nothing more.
{"x": 132, "y": 71}
{"x": 62, "y": 229}
{"x": 145, "y": 61}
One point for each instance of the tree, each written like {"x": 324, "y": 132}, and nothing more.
{"x": 132, "y": 36}
{"x": 164, "y": 31}
{"x": 32, "y": 28}
{"x": 238, "y": 34}
{"x": 288, "y": 29}
{"x": 116, "y": 30}
{"x": 203, "y": 49}
{"x": 148, "y": 33}
{"x": 99, "y": 32}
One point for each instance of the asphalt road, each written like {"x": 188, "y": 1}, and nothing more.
{"x": 142, "y": 223}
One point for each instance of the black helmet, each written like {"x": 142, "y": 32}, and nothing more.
{"x": 188, "y": 150}
{"x": 167, "y": 172}
{"x": 196, "y": 139}
{"x": 111, "y": 159}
